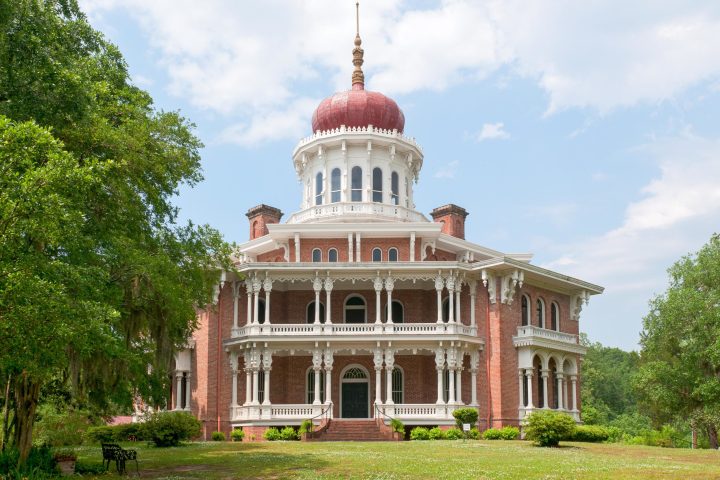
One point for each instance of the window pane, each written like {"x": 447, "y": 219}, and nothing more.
{"x": 377, "y": 185}
{"x": 377, "y": 255}
{"x": 261, "y": 386}
{"x": 332, "y": 255}
{"x": 261, "y": 311}
{"x": 395, "y": 188}
{"x": 318, "y": 189}
{"x": 541, "y": 313}
{"x": 525, "y": 311}
{"x": 335, "y": 185}
{"x": 397, "y": 386}
{"x": 393, "y": 255}
{"x": 397, "y": 312}
{"x": 356, "y": 185}
{"x": 316, "y": 255}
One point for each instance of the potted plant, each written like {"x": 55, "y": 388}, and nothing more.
{"x": 65, "y": 461}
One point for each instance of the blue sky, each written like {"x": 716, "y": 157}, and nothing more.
{"x": 586, "y": 133}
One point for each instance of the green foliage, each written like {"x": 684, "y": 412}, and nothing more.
{"x": 57, "y": 429}
{"x": 397, "y": 426}
{"x": 474, "y": 434}
{"x": 465, "y": 415}
{"x": 40, "y": 463}
{"x": 546, "y": 428}
{"x": 217, "y": 437}
{"x": 306, "y": 426}
{"x": 115, "y": 433}
{"x": 454, "y": 434}
{"x": 237, "y": 435}
{"x": 590, "y": 433}
{"x": 89, "y": 468}
{"x": 272, "y": 434}
{"x": 505, "y": 433}
{"x": 289, "y": 433}
{"x": 168, "y": 429}
{"x": 419, "y": 433}
{"x": 632, "y": 424}
{"x": 436, "y": 433}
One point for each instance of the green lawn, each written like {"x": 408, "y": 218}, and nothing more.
{"x": 412, "y": 460}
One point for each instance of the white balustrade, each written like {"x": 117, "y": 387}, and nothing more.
{"x": 340, "y": 329}
{"x": 532, "y": 331}
{"x": 330, "y": 210}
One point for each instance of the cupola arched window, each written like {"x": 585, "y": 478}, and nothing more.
{"x": 541, "y": 313}
{"x": 393, "y": 255}
{"x": 318, "y": 188}
{"x": 356, "y": 184}
{"x": 335, "y": 185}
{"x": 311, "y": 312}
{"x": 377, "y": 188}
{"x": 525, "y": 311}
{"x": 355, "y": 310}
{"x": 316, "y": 255}
{"x": 376, "y": 255}
{"x": 554, "y": 316}
{"x": 332, "y": 255}
{"x": 395, "y": 188}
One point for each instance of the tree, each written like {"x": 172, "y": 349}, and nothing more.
{"x": 97, "y": 280}
{"x": 679, "y": 375}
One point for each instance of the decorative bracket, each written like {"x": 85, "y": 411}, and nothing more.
{"x": 488, "y": 280}
{"x": 508, "y": 284}
{"x": 576, "y": 304}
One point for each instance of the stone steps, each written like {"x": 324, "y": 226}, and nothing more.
{"x": 354, "y": 430}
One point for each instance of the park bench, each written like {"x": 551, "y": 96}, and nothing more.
{"x": 114, "y": 452}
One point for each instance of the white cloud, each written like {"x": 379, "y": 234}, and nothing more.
{"x": 492, "y": 131}
{"x": 449, "y": 170}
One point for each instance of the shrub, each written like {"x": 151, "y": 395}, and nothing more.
{"x": 271, "y": 434}
{"x": 590, "y": 433}
{"x": 474, "y": 434}
{"x": 505, "y": 433}
{"x": 237, "y": 435}
{"x": 397, "y": 426}
{"x": 40, "y": 464}
{"x": 114, "y": 433}
{"x": 218, "y": 437}
{"x": 168, "y": 429}
{"x": 90, "y": 469}
{"x": 547, "y": 428}
{"x": 104, "y": 434}
{"x": 465, "y": 415}
{"x": 454, "y": 434}
{"x": 289, "y": 433}
{"x": 419, "y": 433}
{"x": 60, "y": 428}
{"x": 306, "y": 426}
{"x": 436, "y": 434}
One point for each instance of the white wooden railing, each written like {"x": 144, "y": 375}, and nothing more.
{"x": 532, "y": 331}
{"x": 359, "y": 209}
{"x": 354, "y": 329}
{"x": 296, "y": 413}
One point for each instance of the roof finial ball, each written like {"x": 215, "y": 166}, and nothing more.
{"x": 358, "y": 77}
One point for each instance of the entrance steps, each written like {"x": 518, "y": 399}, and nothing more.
{"x": 365, "y": 430}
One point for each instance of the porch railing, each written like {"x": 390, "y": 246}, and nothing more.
{"x": 335, "y": 329}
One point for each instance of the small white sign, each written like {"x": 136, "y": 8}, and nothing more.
{"x": 466, "y": 427}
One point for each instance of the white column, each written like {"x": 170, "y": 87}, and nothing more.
{"x": 566, "y": 403}
{"x": 248, "y": 379}
{"x": 178, "y": 394}
{"x": 440, "y": 366}
{"x": 458, "y": 309}
{"x": 234, "y": 368}
{"x": 412, "y": 246}
{"x": 328, "y": 376}
{"x": 452, "y": 366}
{"x": 544, "y": 375}
{"x": 521, "y": 379}
{"x": 256, "y": 299}
{"x": 439, "y": 288}
{"x": 573, "y": 385}
{"x": 559, "y": 391}
{"x": 267, "y": 286}
{"x": 458, "y": 372}
{"x": 357, "y": 248}
{"x": 389, "y": 285}
{"x": 378, "y": 284}
{"x": 317, "y": 365}
{"x": 297, "y": 243}
{"x": 389, "y": 366}
{"x": 255, "y": 386}
{"x": 248, "y": 289}
{"x": 267, "y": 367}
{"x": 528, "y": 378}
{"x": 451, "y": 298}
{"x": 473, "y": 291}
{"x": 328, "y": 310}
{"x": 188, "y": 384}
{"x": 378, "y": 361}
{"x": 236, "y": 298}
{"x": 474, "y": 362}
{"x": 317, "y": 286}
{"x": 350, "y": 247}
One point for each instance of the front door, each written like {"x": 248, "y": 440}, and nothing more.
{"x": 355, "y": 400}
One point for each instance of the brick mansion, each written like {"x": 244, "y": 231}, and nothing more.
{"x": 360, "y": 307}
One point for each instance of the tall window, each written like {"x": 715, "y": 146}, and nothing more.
{"x": 397, "y": 385}
{"x": 316, "y": 255}
{"x": 335, "y": 185}
{"x": 377, "y": 187}
{"x": 376, "y": 255}
{"x": 355, "y": 310}
{"x": 541, "y": 313}
{"x": 311, "y": 313}
{"x": 446, "y": 310}
{"x": 261, "y": 310}
{"x": 398, "y": 312}
{"x": 393, "y": 255}
{"x": 395, "y": 188}
{"x": 554, "y": 316}
{"x": 310, "y": 383}
{"x": 446, "y": 385}
{"x": 356, "y": 184}
{"x": 525, "y": 311}
{"x": 541, "y": 387}
{"x": 318, "y": 188}
{"x": 261, "y": 386}
{"x": 332, "y": 255}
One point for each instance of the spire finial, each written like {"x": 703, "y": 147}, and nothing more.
{"x": 358, "y": 77}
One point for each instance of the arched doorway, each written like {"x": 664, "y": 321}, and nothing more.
{"x": 354, "y": 393}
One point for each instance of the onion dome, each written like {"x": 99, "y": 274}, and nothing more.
{"x": 358, "y": 107}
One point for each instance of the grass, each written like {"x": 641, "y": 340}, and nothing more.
{"x": 415, "y": 460}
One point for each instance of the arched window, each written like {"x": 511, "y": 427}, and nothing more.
{"x": 525, "y": 311}
{"x": 332, "y": 255}
{"x": 318, "y": 188}
{"x": 261, "y": 310}
{"x": 355, "y": 310}
{"x": 310, "y": 386}
{"x": 393, "y": 255}
{"x": 554, "y": 316}
{"x": 541, "y": 313}
{"x": 261, "y": 386}
{"x": 398, "y": 312}
{"x": 377, "y": 181}
{"x": 397, "y": 385}
{"x": 376, "y": 255}
{"x": 446, "y": 385}
{"x": 335, "y": 185}
{"x": 311, "y": 312}
{"x": 356, "y": 184}
{"x": 395, "y": 188}
{"x": 316, "y": 255}
{"x": 446, "y": 310}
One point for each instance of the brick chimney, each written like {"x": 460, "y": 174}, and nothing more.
{"x": 452, "y": 218}
{"x": 259, "y": 217}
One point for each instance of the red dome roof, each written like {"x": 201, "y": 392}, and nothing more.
{"x": 358, "y": 108}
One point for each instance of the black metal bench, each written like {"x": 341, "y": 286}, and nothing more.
{"x": 114, "y": 452}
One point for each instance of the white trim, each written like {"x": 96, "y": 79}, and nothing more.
{"x": 397, "y": 254}
{"x": 337, "y": 255}
{"x": 372, "y": 254}
{"x": 312, "y": 255}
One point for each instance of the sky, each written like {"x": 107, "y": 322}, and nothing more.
{"x": 586, "y": 133}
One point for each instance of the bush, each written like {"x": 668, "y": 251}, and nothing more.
{"x": 272, "y": 434}
{"x": 474, "y": 434}
{"x": 40, "y": 464}
{"x": 436, "y": 434}
{"x": 217, "y": 437}
{"x": 505, "y": 433}
{"x": 454, "y": 434}
{"x": 306, "y": 426}
{"x": 465, "y": 415}
{"x": 60, "y": 428}
{"x": 114, "y": 433}
{"x": 547, "y": 428}
{"x": 289, "y": 433}
{"x": 168, "y": 429}
{"x": 90, "y": 469}
{"x": 104, "y": 434}
{"x": 397, "y": 426}
{"x": 237, "y": 435}
{"x": 419, "y": 433}
{"x": 590, "y": 433}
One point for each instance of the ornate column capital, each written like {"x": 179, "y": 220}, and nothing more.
{"x": 389, "y": 358}
{"x": 450, "y": 283}
{"x": 329, "y": 359}
{"x": 329, "y": 283}
{"x": 257, "y": 284}
{"x": 236, "y": 289}
{"x": 389, "y": 283}
{"x": 317, "y": 284}
{"x": 378, "y": 358}
{"x": 248, "y": 285}
{"x": 452, "y": 358}
{"x": 378, "y": 284}
{"x": 317, "y": 359}
{"x": 267, "y": 284}
{"x": 440, "y": 358}
{"x": 439, "y": 283}
{"x": 267, "y": 360}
